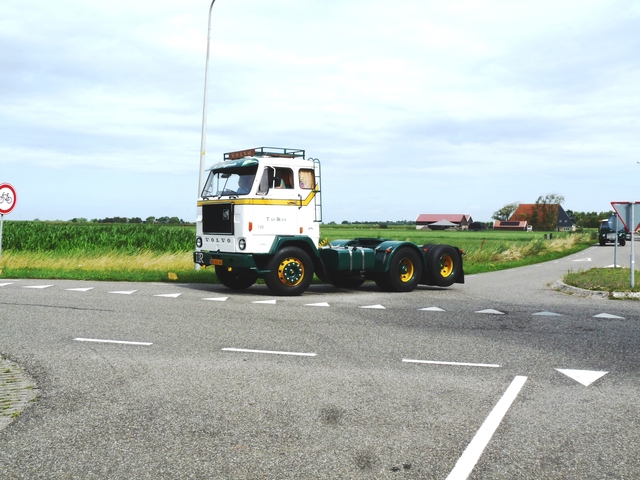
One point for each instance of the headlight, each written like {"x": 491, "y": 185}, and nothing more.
{"x": 242, "y": 244}
{"x": 199, "y": 242}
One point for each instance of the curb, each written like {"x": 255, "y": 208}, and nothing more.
{"x": 560, "y": 286}
{"x": 17, "y": 390}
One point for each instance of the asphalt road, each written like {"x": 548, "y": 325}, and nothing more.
{"x": 500, "y": 378}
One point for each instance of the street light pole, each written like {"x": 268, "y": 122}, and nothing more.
{"x": 203, "y": 138}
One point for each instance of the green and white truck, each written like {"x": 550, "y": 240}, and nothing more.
{"x": 259, "y": 216}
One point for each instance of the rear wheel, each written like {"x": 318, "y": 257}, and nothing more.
{"x": 405, "y": 271}
{"x": 444, "y": 264}
{"x": 236, "y": 278}
{"x": 291, "y": 272}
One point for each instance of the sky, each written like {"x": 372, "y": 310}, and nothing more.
{"x": 412, "y": 107}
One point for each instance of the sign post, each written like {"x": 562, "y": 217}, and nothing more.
{"x": 8, "y": 200}
{"x": 628, "y": 213}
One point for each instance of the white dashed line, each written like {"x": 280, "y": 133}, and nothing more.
{"x": 122, "y": 342}
{"x": 379, "y": 307}
{"x": 321, "y": 304}
{"x": 125, "y": 292}
{"x": 37, "y": 286}
{"x": 466, "y": 463}
{"x": 549, "y": 314}
{"x": 245, "y": 350}
{"x": 5, "y": 284}
{"x": 458, "y": 364}
{"x": 265, "y": 302}
{"x": 607, "y": 315}
{"x": 491, "y": 311}
{"x": 431, "y": 309}
{"x": 79, "y": 289}
{"x": 216, "y": 299}
{"x": 169, "y": 295}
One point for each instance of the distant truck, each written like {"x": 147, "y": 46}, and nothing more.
{"x": 607, "y": 231}
{"x": 259, "y": 216}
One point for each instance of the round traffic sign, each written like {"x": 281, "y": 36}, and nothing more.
{"x": 8, "y": 198}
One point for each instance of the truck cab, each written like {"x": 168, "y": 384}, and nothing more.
{"x": 253, "y": 203}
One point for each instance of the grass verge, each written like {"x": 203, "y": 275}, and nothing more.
{"x": 144, "y": 266}
{"x": 603, "y": 279}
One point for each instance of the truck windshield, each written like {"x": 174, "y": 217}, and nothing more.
{"x": 229, "y": 182}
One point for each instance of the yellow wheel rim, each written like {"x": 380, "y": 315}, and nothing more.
{"x": 290, "y": 272}
{"x": 446, "y": 265}
{"x": 406, "y": 270}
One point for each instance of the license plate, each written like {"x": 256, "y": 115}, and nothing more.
{"x": 216, "y": 261}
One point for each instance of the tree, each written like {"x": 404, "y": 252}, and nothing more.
{"x": 505, "y": 212}
{"x": 544, "y": 215}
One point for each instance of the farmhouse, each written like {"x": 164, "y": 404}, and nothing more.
{"x": 531, "y": 213}
{"x": 437, "y": 221}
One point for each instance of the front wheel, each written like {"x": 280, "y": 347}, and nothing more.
{"x": 291, "y": 272}
{"x": 236, "y": 278}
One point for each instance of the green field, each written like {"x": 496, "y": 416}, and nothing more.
{"x": 142, "y": 252}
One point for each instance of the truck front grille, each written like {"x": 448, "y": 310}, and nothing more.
{"x": 218, "y": 218}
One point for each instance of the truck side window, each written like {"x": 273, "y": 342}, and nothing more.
{"x": 284, "y": 178}
{"x": 306, "y": 178}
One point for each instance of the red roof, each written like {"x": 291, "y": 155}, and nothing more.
{"x": 435, "y": 217}
{"x": 525, "y": 211}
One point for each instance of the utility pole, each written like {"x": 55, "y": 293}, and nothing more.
{"x": 203, "y": 137}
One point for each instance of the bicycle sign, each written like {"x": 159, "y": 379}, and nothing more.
{"x": 7, "y": 198}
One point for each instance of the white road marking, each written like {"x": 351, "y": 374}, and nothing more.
{"x": 431, "y": 309}
{"x": 122, "y": 342}
{"x": 582, "y": 260}
{"x": 169, "y": 295}
{"x": 79, "y": 289}
{"x": 379, "y": 307}
{"x": 266, "y": 302}
{"x": 585, "y": 377}
{"x": 216, "y": 299}
{"x": 37, "y": 286}
{"x": 607, "y": 315}
{"x": 458, "y": 364}
{"x": 5, "y": 284}
{"x": 549, "y": 314}
{"x": 246, "y": 350}
{"x": 321, "y": 304}
{"x": 466, "y": 463}
{"x": 125, "y": 292}
{"x": 491, "y": 311}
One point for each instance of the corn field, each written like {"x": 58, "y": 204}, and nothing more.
{"x": 91, "y": 237}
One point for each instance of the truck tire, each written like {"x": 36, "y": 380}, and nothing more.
{"x": 622, "y": 242}
{"x": 344, "y": 280}
{"x": 237, "y": 278}
{"x": 405, "y": 271}
{"x": 444, "y": 264}
{"x": 602, "y": 242}
{"x": 291, "y": 272}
